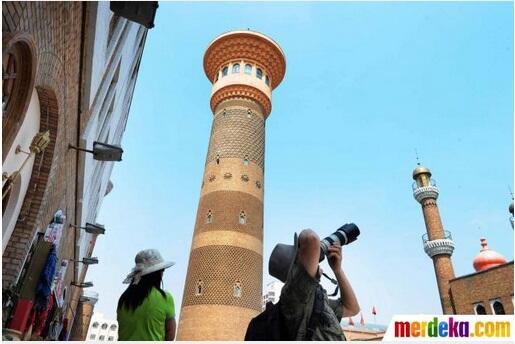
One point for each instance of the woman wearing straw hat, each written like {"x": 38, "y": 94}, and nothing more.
{"x": 145, "y": 311}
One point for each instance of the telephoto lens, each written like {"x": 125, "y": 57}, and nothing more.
{"x": 343, "y": 236}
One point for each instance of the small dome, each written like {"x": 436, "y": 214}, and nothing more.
{"x": 420, "y": 170}
{"x": 511, "y": 208}
{"x": 487, "y": 258}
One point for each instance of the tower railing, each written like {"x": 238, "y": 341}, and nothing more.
{"x": 438, "y": 246}
{"x": 422, "y": 192}
{"x": 447, "y": 235}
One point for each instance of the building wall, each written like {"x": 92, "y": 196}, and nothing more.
{"x": 101, "y": 329}
{"x": 74, "y": 44}
{"x": 482, "y": 287}
{"x": 55, "y": 29}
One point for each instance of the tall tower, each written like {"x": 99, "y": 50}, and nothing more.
{"x": 437, "y": 242}
{"x": 225, "y": 273}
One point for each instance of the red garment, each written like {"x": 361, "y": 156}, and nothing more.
{"x": 41, "y": 317}
{"x": 21, "y": 315}
{"x": 64, "y": 332}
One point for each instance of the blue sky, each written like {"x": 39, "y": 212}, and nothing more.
{"x": 366, "y": 84}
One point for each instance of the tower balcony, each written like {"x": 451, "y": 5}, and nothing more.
{"x": 427, "y": 191}
{"x": 438, "y": 246}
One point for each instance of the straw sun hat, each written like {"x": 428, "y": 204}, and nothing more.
{"x": 147, "y": 261}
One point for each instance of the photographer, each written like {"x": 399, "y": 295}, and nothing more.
{"x": 306, "y": 312}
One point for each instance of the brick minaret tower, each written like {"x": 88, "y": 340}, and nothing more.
{"x": 224, "y": 280}
{"x": 438, "y": 243}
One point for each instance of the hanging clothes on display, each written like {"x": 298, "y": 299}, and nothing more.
{"x": 43, "y": 288}
{"x": 41, "y": 319}
{"x": 63, "y": 336}
{"x": 54, "y": 230}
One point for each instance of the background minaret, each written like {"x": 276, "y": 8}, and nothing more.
{"x": 225, "y": 272}
{"x": 438, "y": 243}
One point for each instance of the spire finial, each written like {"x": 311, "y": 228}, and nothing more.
{"x": 511, "y": 192}
{"x": 416, "y": 155}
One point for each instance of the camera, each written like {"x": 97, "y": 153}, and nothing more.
{"x": 344, "y": 235}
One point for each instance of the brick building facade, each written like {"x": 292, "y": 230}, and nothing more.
{"x": 489, "y": 290}
{"x": 70, "y": 69}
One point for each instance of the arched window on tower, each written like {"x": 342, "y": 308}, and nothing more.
{"x": 199, "y": 288}
{"x": 209, "y": 217}
{"x": 243, "y": 218}
{"x": 216, "y": 76}
{"x": 248, "y": 69}
{"x": 479, "y": 309}
{"x": 267, "y": 80}
{"x": 498, "y": 307}
{"x": 217, "y": 158}
{"x": 246, "y": 160}
{"x": 225, "y": 70}
{"x": 259, "y": 73}
{"x": 237, "y": 289}
{"x": 235, "y": 68}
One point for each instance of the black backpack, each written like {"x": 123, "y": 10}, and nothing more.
{"x": 270, "y": 324}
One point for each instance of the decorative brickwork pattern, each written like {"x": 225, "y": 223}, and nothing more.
{"x": 246, "y": 45}
{"x": 219, "y": 268}
{"x": 237, "y": 134}
{"x": 225, "y": 215}
{"x": 55, "y": 28}
{"x": 241, "y": 91}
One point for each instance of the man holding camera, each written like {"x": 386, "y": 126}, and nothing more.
{"x": 306, "y": 311}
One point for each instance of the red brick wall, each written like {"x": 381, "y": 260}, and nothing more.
{"x": 482, "y": 287}
{"x": 56, "y": 28}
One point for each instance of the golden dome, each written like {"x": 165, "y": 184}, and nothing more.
{"x": 420, "y": 170}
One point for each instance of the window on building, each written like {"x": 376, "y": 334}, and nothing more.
{"x": 104, "y": 326}
{"x": 217, "y": 158}
{"x": 243, "y": 218}
{"x": 498, "y": 308}
{"x": 480, "y": 309}
{"x": 237, "y": 289}
{"x": 216, "y": 77}
{"x": 113, "y": 327}
{"x": 209, "y": 217}
{"x": 95, "y": 324}
{"x": 259, "y": 73}
{"x": 235, "y": 68}
{"x": 110, "y": 338}
{"x": 93, "y": 336}
{"x": 102, "y": 337}
{"x": 225, "y": 70}
{"x": 248, "y": 69}
{"x": 246, "y": 160}
{"x": 199, "y": 288}
{"x": 267, "y": 80}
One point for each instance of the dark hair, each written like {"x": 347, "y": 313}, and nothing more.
{"x": 135, "y": 294}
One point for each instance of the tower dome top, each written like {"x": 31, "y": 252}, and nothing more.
{"x": 420, "y": 170}
{"x": 487, "y": 258}
{"x": 245, "y": 44}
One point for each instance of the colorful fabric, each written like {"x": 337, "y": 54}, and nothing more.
{"x": 43, "y": 288}
{"x": 147, "y": 322}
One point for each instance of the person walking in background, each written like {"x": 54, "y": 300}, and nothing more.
{"x": 145, "y": 311}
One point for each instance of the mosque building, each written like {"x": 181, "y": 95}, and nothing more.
{"x": 488, "y": 290}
